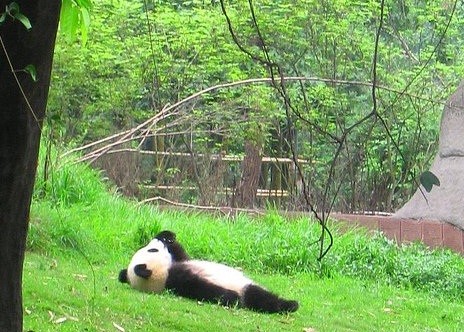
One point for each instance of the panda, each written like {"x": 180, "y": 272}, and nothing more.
{"x": 148, "y": 268}
{"x": 177, "y": 252}
{"x": 164, "y": 265}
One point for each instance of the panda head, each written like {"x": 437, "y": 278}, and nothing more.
{"x": 148, "y": 268}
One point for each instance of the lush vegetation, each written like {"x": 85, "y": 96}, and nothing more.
{"x": 143, "y": 55}
{"x": 362, "y": 115}
{"x": 81, "y": 234}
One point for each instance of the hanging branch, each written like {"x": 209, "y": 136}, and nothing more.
{"x": 402, "y": 93}
{"x": 374, "y": 60}
{"x": 13, "y": 71}
{"x": 279, "y": 85}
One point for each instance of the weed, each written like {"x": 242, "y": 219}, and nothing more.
{"x": 145, "y": 232}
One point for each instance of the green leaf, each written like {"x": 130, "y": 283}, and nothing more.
{"x": 84, "y": 24}
{"x": 87, "y": 4}
{"x": 75, "y": 17}
{"x": 13, "y": 8}
{"x": 24, "y": 20}
{"x": 30, "y": 69}
{"x": 428, "y": 179}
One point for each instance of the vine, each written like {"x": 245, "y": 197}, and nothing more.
{"x": 12, "y": 11}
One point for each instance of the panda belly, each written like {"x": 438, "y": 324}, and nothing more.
{"x": 207, "y": 281}
{"x": 221, "y": 275}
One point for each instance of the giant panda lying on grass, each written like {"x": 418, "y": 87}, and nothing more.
{"x": 164, "y": 264}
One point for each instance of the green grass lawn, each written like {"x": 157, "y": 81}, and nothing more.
{"x": 80, "y": 236}
{"x": 61, "y": 294}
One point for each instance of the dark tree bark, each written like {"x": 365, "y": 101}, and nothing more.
{"x": 251, "y": 169}
{"x": 19, "y": 140}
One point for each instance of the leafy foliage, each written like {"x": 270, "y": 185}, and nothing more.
{"x": 413, "y": 265}
{"x": 61, "y": 182}
{"x": 13, "y": 11}
{"x": 75, "y": 17}
{"x": 144, "y": 55}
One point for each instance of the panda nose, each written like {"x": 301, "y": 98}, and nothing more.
{"x": 153, "y": 250}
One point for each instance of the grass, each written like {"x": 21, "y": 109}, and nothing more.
{"x": 58, "y": 288}
{"x": 79, "y": 239}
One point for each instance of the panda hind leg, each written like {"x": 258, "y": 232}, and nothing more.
{"x": 258, "y": 299}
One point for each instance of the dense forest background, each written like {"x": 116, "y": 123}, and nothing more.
{"x": 213, "y": 103}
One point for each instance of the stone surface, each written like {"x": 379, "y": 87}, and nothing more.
{"x": 451, "y": 134}
{"x": 446, "y": 202}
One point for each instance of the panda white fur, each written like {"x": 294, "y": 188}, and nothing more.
{"x": 148, "y": 268}
{"x": 163, "y": 264}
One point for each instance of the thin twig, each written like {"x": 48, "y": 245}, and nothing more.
{"x": 18, "y": 83}
{"x": 200, "y": 207}
{"x": 281, "y": 89}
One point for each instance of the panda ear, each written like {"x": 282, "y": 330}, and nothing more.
{"x": 123, "y": 276}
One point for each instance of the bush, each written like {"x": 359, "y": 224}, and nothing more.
{"x": 439, "y": 271}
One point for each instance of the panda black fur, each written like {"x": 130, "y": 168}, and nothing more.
{"x": 151, "y": 270}
{"x": 177, "y": 252}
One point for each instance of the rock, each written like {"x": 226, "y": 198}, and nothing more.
{"x": 446, "y": 202}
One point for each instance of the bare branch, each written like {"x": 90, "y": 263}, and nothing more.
{"x": 224, "y": 209}
{"x": 170, "y": 111}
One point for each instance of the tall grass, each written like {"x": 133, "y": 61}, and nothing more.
{"x": 74, "y": 212}
{"x": 74, "y": 208}
{"x": 63, "y": 182}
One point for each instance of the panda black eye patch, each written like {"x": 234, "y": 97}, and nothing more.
{"x": 153, "y": 250}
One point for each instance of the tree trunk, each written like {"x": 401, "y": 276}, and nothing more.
{"x": 19, "y": 139}
{"x": 251, "y": 169}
